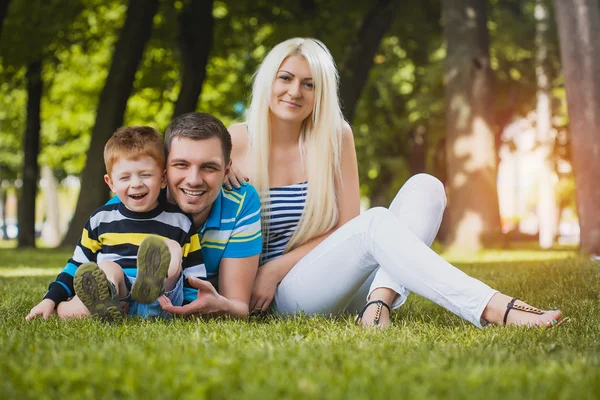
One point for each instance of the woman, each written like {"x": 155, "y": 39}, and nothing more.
{"x": 319, "y": 255}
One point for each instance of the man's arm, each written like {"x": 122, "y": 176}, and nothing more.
{"x": 236, "y": 279}
{"x": 237, "y": 268}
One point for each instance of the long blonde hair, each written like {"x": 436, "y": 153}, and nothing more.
{"x": 320, "y": 136}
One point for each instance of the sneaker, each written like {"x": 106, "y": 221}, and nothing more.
{"x": 96, "y": 292}
{"x": 153, "y": 261}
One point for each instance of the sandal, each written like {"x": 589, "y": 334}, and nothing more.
{"x": 512, "y": 306}
{"x": 380, "y": 305}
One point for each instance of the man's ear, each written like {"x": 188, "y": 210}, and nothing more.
{"x": 163, "y": 180}
{"x": 109, "y": 182}
{"x": 228, "y": 167}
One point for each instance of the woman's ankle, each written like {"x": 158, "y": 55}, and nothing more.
{"x": 495, "y": 309}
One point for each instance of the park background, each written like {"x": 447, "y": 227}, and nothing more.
{"x": 499, "y": 99}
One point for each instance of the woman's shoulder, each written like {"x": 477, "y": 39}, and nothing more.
{"x": 346, "y": 128}
{"x": 347, "y": 134}
{"x": 239, "y": 136}
{"x": 239, "y": 131}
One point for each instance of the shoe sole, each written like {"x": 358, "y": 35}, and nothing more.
{"x": 93, "y": 288}
{"x": 153, "y": 261}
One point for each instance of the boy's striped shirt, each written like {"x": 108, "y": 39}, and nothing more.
{"x": 114, "y": 233}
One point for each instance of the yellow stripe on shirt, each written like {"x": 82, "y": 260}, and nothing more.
{"x": 192, "y": 246}
{"x": 115, "y": 239}
{"x": 88, "y": 243}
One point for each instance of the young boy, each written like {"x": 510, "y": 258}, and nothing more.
{"x": 131, "y": 250}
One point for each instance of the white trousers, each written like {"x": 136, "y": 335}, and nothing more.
{"x": 384, "y": 248}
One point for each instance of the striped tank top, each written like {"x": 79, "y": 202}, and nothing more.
{"x": 282, "y": 214}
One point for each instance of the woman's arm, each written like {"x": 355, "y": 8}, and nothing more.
{"x": 271, "y": 273}
{"x": 239, "y": 140}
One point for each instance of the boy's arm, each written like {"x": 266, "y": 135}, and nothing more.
{"x": 86, "y": 250}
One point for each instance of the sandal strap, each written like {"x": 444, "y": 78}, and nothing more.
{"x": 379, "y": 303}
{"x": 512, "y": 306}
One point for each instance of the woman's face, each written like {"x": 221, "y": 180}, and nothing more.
{"x": 293, "y": 94}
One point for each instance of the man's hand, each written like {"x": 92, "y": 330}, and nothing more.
{"x": 45, "y": 308}
{"x": 264, "y": 288}
{"x": 208, "y": 300}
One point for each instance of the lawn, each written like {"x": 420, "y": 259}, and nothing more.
{"x": 428, "y": 353}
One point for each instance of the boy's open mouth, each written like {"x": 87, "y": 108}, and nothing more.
{"x": 138, "y": 196}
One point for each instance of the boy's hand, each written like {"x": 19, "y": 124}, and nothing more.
{"x": 45, "y": 308}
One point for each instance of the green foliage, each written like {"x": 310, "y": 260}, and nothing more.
{"x": 404, "y": 90}
{"x": 427, "y": 353}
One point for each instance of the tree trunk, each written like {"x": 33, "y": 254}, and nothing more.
{"x": 51, "y": 229}
{"x": 578, "y": 27}
{"x": 3, "y": 12}
{"x": 31, "y": 149}
{"x": 196, "y": 27}
{"x": 355, "y": 70}
{"x": 546, "y": 210}
{"x": 109, "y": 115}
{"x": 3, "y": 198}
{"x": 473, "y": 210}
{"x": 417, "y": 147}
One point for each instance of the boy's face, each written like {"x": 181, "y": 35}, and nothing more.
{"x": 137, "y": 182}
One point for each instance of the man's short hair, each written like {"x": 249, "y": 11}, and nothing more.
{"x": 198, "y": 126}
{"x": 133, "y": 142}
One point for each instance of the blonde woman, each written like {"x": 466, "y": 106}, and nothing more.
{"x": 319, "y": 255}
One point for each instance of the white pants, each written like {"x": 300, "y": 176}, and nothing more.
{"x": 384, "y": 248}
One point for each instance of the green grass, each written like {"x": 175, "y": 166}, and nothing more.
{"x": 428, "y": 353}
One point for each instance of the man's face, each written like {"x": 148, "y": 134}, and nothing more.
{"x": 195, "y": 173}
{"x": 137, "y": 182}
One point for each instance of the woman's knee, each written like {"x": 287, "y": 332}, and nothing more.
{"x": 376, "y": 214}
{"x": 429, "y": 184}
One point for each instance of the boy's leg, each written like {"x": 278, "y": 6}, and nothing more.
{"x": 73, "y": 308}
{"x": 153, "y": 262}
{"x": 96, "y": 292}
{"x": 174, "y": 266}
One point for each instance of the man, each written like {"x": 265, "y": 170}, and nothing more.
{"x": 198, "y": 148}
{"x": 198, "y": 159}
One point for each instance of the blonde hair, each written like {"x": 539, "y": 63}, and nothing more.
{"x": 320, "y": 136}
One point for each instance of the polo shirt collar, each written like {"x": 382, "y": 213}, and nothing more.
{"x": 214, "y": 216}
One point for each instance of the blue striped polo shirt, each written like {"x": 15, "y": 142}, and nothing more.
{"x": 232, "y": 230}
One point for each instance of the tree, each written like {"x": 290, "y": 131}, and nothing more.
{"x": 196, "y": 26}
{"x": 473, "y": 211}
{"x": 31, "y": 146}
{"x": 547, "y": 212}
{"x": 3, "y": 11}
{"x": 578, "y": 24}
{"x": 358, "y": 62}
{"x": 111, "y": 108}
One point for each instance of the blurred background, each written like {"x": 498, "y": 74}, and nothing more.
{"x": 474, "y": 92}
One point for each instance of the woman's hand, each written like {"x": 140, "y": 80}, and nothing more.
{"x": 235, "y": 178}
{"x": 44, "y": 308}
{"x": 264, "y": 288}
{"x": 207, "y": 302}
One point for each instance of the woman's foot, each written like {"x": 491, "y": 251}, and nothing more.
{"x": 496, "y": 309}
{"x": 375, "y": 314}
